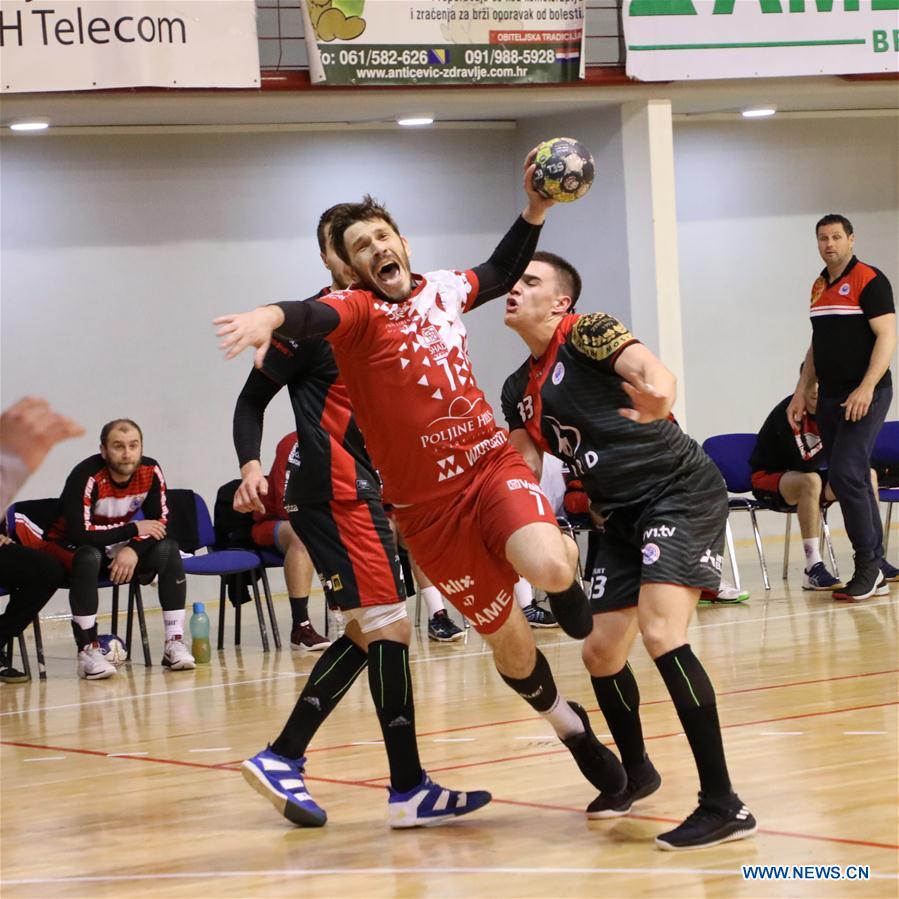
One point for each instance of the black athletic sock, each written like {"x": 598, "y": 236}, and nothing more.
{"x": 333, "y": 674}
{"x": 391, "y": 689}
{"x": 538, "y": 689}
{"x": 84, "y": 636}
{"x": 694, "y": 698}
{"x": 299, "y": 609}
{"x": 619, "y": 699}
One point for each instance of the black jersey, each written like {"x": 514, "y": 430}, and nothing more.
{"x": 780, "y": 448}
{"x": 568, "y": 401}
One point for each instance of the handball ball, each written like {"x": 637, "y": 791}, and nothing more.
{"x": 113, "y": 648}
{"x": 564, "y": 170}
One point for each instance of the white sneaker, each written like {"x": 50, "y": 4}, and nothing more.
{"x": 177, "y": 656}
{"x": 336, "y": 624}
{"x": 93, "y": 665}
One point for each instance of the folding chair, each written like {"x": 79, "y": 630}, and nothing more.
{"x": 885, "y": 460}
{"x": 23, "y": 649}
{"x": 198, "y": 536}
{"x": 730, "y": 453}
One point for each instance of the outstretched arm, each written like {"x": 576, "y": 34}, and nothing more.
{"x": 498, "y": 275}
{"x": 306, "y": 318}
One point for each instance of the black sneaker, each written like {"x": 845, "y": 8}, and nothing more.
{"x": 443, "y": 629}
{"x": 890, "y": 572}
{"x": 537, "y": 616}
{"x": 867, "y": 581}
{"x": 597, "y": 763}
{"x": 10, "y": 675}
{"x": 642, "y": 781}
{"x": 574, "y": 615}
{"x": 712, "y": 823}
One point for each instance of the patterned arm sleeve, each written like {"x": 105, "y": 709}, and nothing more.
{"x": 155, "y": 508}
{"x": 600, "y": 338}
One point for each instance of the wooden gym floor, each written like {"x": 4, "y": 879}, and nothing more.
{"x": 130, "y": 787}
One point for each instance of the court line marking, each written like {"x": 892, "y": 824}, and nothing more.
{"x": 392, "y": 872}
{"x": 371, "y": 783}
{"x": 116, "y": 755}
{"x": 47, "y": 758}
{"x": 863, "y": 733}
{"x": 212, "y": 749}
{"x": 563, "y": 643}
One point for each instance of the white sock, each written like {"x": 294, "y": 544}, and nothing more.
{"x": 433, "y": 600}
{"x": 174, "y": 624}
{"x": 523, "y": 593}
{"x": 85, "y": 622}
{"x": 812, "y": 552}
{"x": 563, "y": 719}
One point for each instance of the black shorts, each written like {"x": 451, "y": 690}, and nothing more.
{"x": 677, "y": 537}
{"x": 353, "y": 550}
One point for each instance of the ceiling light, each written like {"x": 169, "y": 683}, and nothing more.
{"x": 29, "y": 126}
{"x": 413, "y": 122}
{"x": 758, "y": 112}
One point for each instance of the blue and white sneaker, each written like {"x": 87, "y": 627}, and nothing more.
{"x": 280, "y": 780}
{"x": 429, "y": 804}
{"x": 819, "y": 578}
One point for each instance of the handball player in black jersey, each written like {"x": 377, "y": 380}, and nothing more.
{"x": 593, "y": 395}
{"x": 333, "y": 499}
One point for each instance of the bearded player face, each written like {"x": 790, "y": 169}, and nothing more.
{"x": 380, "y": 258}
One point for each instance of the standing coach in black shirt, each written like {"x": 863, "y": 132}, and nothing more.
{"x": 853, "y": 341}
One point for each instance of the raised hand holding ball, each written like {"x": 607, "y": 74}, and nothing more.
{"x": 564, "y": 169}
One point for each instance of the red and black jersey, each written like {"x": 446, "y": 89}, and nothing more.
{"x": 97, "y": 511}
{"x": 780, "y": 448}
{"x": 568, "y": 401}
{"x": 842, "y": 339}
{"x": 332, "y": 462}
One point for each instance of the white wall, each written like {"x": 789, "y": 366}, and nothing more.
{"x": 119, "y": 250}
{"x": 748, "y": 196}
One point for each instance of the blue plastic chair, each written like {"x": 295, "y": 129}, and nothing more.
{"x": 730, "y": 453}
{"x": 220, "y": 563}
{"x": 886, "y": 455}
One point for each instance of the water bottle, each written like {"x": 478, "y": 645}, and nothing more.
{"x": 199, "y": 631}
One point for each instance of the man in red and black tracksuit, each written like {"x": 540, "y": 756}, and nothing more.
{"x": 853, "y": 341}
{"x": 97, "y": 536}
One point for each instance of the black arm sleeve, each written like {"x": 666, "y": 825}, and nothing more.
{"x": 249, "y": 415}
{"x": 498, "y": 275}
{"x": 307, "y": 318}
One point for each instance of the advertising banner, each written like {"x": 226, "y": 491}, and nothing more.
{"x": 98, "y": 44}
{"x": 673, "y": 40}
{"x": 389, "y": 42}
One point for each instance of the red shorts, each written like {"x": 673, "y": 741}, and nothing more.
{"x": 766, "y": 488}
{"x": 460, "y": 542}
{"x": 263, "y": 532}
